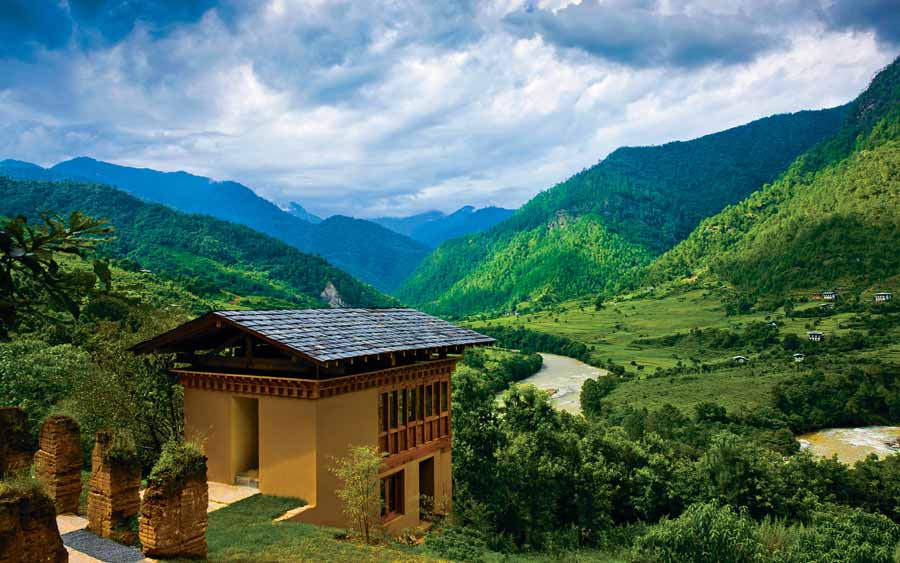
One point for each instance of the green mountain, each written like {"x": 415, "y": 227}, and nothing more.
{"x": 581, "y": 236}
{"x": 349, "y": 245}
{"x": 832, "y": 221}
{"x": 224, "y": 263}
{"x": 433, "y": 227}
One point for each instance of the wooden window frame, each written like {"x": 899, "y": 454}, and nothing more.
{"x": 393, "y": 495}
{"x": 409, "y": 405}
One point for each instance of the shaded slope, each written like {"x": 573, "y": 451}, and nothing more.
{"x": 237, "y": 203}
{"x": 211, "y": 258}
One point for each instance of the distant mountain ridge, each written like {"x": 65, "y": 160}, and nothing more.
{"x": 368, "y": 251}
{"x": 583, "y": 235}
{"x": 229, "y": 265}
{"x": 434, "y": 227}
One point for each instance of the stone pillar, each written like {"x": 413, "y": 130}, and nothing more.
{"x": 17, "y": 452}
{"x": 174, "y": 521}
{"x": 58, "y": 463}
{"x": 114, "y": 498}
{"x": 28, "y": 530}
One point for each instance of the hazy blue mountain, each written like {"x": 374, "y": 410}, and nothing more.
{"x": 372, "y": 253}
{"x": 300, "y": 212}
{"x": 433, "y": 227}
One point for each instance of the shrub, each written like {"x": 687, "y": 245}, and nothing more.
{"x": 703, "y": 533}
{"x": 178, "y": 463}
{"x": 457, "y": 543}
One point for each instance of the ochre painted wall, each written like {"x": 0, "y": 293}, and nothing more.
{"x": 298, "y": 441}
{"x": 288, "y": 456}
{"x": 207, "y": 418}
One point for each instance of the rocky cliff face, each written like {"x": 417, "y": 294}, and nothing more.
{"x": 331, "y": 296}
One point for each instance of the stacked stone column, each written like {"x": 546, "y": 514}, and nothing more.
{"x": 58, "y": 463}
{"x": 174, "y": 519}
{"x": 28, "y": 530}
{"x": 114, "y": 499}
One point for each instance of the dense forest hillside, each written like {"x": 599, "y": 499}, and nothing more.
{"x": 228, "y": 264}
{"x": 632, "y": 206}
{"x": 832, "y": 221}
{"x": 350, "y": 247}
{"x": 433, "y": 227}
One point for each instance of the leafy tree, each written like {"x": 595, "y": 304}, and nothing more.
{"x": 29, "y": 272}
{"x": 360, "y": 493}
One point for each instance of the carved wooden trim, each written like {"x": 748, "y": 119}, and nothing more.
{"x": 296, "y": 388}
{"x": 402, "y": 458}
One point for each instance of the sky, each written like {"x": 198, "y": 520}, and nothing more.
{"x": 373, "y": 108}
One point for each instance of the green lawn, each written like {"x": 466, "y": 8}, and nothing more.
{"x": 244, "y": 532}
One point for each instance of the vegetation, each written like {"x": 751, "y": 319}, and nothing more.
{"x": 831, "y": 220}
{"x": 583, "y": 235}
{"x": 359, "y": 493}
{"x": 366, "y": 250}
{"x": 224, "y": 263}
{"x": 179, "y": 462}
{"x": 30, "y": 273}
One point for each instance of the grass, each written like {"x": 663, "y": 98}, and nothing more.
{"x": 613, "y": 333}
{"x": 244, "y": 532}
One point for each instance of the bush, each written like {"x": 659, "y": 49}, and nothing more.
{"x": 178, "y": 463}
{"x": 844, "y": 536}
{"x": 702, "y": 534}
{"x": 457, "y": 543}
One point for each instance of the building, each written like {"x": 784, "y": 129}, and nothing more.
{"x": 815, "y": 336}
{"x": 740, "y": 359}
{"x": 276, "y": 396}
{"x": 825, "y": 296}
{"x": 883, "y": 296}
{"x": 799, "y": 357}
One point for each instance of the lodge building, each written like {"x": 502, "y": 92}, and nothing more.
{"x": 276, "y": 396}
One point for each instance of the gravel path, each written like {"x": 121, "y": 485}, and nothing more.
{"x": 101, "y": 548}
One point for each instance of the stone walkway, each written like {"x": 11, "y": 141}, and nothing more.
{"x": 85, "y": 547}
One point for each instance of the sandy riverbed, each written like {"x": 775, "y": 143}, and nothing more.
{"x": 850, "y": 444}
{"x": 565, "y": 376}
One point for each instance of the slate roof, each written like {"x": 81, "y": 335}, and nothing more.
{"x": 337, "y": 334}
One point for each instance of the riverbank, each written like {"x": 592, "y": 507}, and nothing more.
{"x": 851, "y": 444}
{"x": 564, "y": 376}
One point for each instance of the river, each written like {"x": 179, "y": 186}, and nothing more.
{"x": 851, "y": 444}
{"x": 564, "y": 376}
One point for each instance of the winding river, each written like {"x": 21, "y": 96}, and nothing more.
{"x": 851, "y": 444}
{"x": 564, "y": 376}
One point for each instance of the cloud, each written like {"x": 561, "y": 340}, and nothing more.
{"x": 680, "y": 33}
{"x": 384, "y": 108}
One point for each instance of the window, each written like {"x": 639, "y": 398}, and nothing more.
{"x": 412, "y": 404}
{"x": 392, "y": 494}
{"x": 444, "y": 397}
{"x": 393, "y": 409}
{"x": 429, "y": 397}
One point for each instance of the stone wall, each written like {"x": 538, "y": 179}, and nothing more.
{"x": 28, "y": 531}
{"x": 114, "y": 498}
{"x": 58, "y": 462}
{"x": 173, "y": 522}
{"x": 16, "y": 454}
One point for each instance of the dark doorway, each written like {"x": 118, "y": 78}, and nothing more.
{"x": 426, "y": 487}
{"x": 245, "y": 441}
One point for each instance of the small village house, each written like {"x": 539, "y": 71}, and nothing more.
{"x": 825, "y": 296}
{"x": 799, "y": 357}
{"x": 883, "y": 296}
{"x": 740, "y": 359}
{"x": 815, "y": 336}
{"x": 277, "y": 395}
